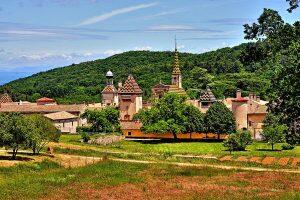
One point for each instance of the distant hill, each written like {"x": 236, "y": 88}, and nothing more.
{"x": 222, "y": 69}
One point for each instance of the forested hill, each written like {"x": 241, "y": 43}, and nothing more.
{"x": 223, "y": 70}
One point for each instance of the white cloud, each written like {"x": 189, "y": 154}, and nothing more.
{"x": 164, "y": 13}
{"x": 180, "y": 47}
{"x": 145, "y": 48}
{"x": 112, "y": 52}
{"x": 113, "y": 13}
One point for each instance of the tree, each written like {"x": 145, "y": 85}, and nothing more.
{"x": 41, "y": 131}
{"x": 285, "y": 91}
{"x": 293, "y": 5}
{"x": 13, "y": 132}
{"x": 238, "y": 141}
{"x": 171, "y": 114}
{"x": 274, "y": 134}
{"x": 219, "y": 119}
{"x": 105, "y": 120}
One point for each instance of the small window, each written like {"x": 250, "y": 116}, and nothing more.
{"x": 129, "y": 133}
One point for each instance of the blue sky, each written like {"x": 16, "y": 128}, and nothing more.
{"x": 41, "y": 34}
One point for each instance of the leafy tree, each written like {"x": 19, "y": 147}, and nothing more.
{"x": 293, "y": 5}
{"x": 41, "y": 131}
{"x": 13, "y": 132}
{"x": 195, "y": 119}
{"x": 274, "y": 134}
{"x": 238, "y": 141}
{"x": 219, "y": 119}
{"x": 105, "y": 120}
{"x": 285, "y": 92}
{"x": 171, "y": 115}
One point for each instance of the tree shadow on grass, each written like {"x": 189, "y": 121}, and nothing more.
{"x": 269, "y": 150}
{"x": 18, "y": 158}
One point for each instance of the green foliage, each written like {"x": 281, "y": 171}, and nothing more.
{"x": 85, "y": 137}
{"x": 171, "y": 114}
{"x": 219, "y": 119}
{"x": 13, "y": 132}
{"x": 41, "y": 131}
{"x": 84, "y": 82}
{"x": 274, "y": 134}
{"x": 105, "y": 120}
{"x": 238, "y": 141}
{"x": 287, "y": 147}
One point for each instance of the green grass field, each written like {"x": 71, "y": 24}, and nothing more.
{"x": 114, "y": 180}
{"x": 195, "y": 148}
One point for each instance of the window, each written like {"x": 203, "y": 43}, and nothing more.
{"x": 129, "y": 133}
{"x": 204, "y": 104}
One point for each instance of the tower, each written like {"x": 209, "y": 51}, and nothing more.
{"x": 176, "y": 74}
{"x": 130, "y": 99}
{"x": 240, "y": 110}
{"x": 109, "y": 93}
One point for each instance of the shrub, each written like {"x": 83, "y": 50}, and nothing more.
{"x": 287, "y": 147}
{"x": 238, "y": 141}
{"x": 85, "y": 137}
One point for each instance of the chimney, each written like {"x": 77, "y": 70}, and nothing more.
{"x": 120, "y": 85}
{"x": 238, "y": 94}
{"x": 251, "y": 95}
{"x": 258, "y": 98}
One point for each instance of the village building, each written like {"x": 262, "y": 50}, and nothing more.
{"x": 5, "y": 98}
{"x": 130, "y": 99}
{"x": 249, "y": 112}
{"x": 64, "y": 121}
{"x": 207, "y": 98}
{"x": 160, "y": 89}
{"x": 110, "y": 93}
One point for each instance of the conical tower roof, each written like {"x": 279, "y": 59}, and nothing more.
{"x": 176, "y": 67}
{"x": 5, "y": 98}
{"x": 130, "y": 86}
{"x": 207, "y": 95}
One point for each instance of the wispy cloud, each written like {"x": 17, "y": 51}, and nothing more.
{"x": 184, "y": 28}
{"x": 164, "y": 13}
{"x": 113, "y": 13}
{"x": 231, "y": 21}
{"x": 18, "y": 31}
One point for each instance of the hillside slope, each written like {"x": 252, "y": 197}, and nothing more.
{"x": 222, "y": 69}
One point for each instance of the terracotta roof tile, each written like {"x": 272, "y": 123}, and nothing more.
{"x": 5, "y": 98}
{"x": 207, "y": 95}
{"x": 60, "y": 115}
{"x": 45, "y": 99}
{"x": 130, "y": 86}
{"x": 109, "y": 89}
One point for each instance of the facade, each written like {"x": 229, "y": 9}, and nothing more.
{"x": 207, "y": 98}
{"x": 130, "y": 99}
{"x": 249, "y": 112}
{"x": 64, "y": 121}
{"x": 110, "y": 93}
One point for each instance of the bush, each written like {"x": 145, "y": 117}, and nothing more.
{"x": 238, "y": 141}
{"x": 82, "y": 129}
{"x": 85, "y": 137}
{"x": 287, "y": 147}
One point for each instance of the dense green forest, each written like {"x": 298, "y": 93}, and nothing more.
{"x": 224, "y": 70}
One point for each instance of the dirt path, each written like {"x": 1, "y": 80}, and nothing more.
{"x": 78, "y": 161}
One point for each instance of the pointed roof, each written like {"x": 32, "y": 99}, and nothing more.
{"x": 207, "y": 95}
{"x": 5, "y": 98}
{"x": 109, "y": 89}
{"x": 45, "y": 99}
{"x": 130, "y": 86}
{"x": 60, "y": 115}
{"x": 176, "y": 68}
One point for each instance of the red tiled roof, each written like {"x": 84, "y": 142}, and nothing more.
{"x": 130, "y": 86}
{"x": 5, "y": 98}
{"x": 42, "y": 108}
{"x": 45, "y": 99}
{"x": 130, "y": 125}
{"x": 109, "y": 89}
{"x": 241, "y": 99}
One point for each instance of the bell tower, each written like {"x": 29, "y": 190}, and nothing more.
{"x": 176, "y": 74}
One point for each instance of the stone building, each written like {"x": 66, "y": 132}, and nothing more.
{"x": 110, "y": 93}
{"x": 130, "y": 99}
{"x": 64, "y": 121}
{"x": 160, "y": 89}
{"x": 207, "y": 98}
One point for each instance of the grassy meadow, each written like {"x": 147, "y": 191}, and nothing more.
{"x": 115, "y": 180}
{"x": 194, "y": 148}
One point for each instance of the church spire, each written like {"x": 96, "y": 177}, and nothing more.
{"x": 176, "y": 69}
